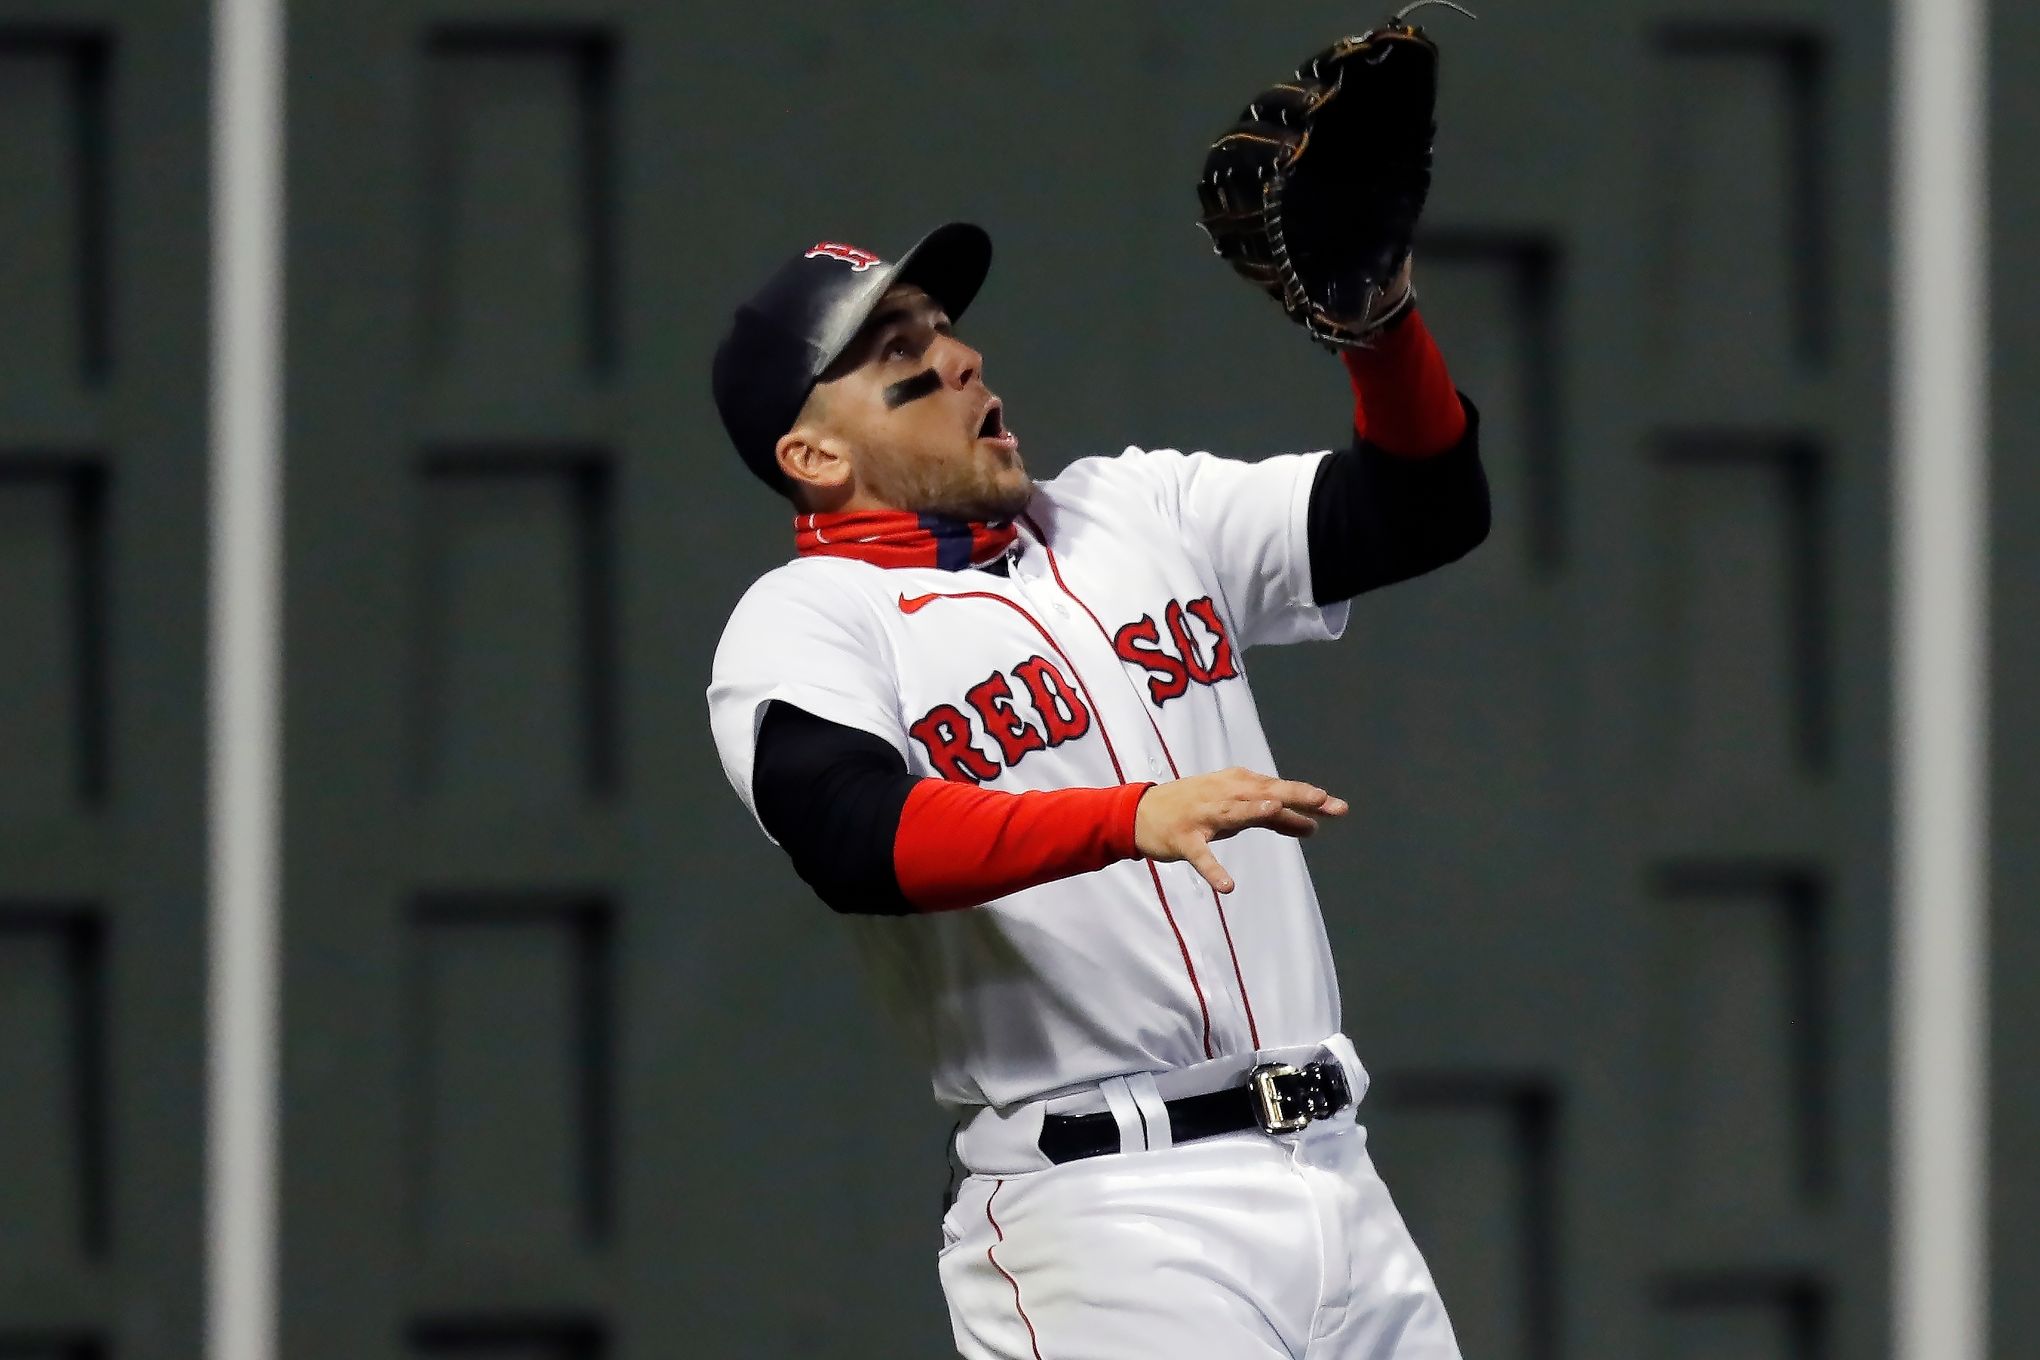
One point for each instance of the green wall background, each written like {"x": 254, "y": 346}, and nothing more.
{"x": 103, "y": 253}
{"x": 573, "y": 1065}
{"x": 2014, "y": 811}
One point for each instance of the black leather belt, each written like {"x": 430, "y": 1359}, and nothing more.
{"x": 1275, "y": 1098}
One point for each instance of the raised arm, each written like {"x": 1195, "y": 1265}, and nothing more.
{"x": 1409, "y": 494}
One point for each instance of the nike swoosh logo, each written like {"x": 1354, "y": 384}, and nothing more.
{"x": 914, "y": 605}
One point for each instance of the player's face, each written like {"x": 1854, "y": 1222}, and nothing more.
{"x": 920, "y": 429}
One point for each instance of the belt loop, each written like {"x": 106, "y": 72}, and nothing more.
{"x": 1120, "y": 1101}
{"x": 1341, "y": 1048}
{"x": 1144, "y": 1094}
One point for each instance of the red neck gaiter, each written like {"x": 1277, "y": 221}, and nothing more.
{"x": 902, "y": 538}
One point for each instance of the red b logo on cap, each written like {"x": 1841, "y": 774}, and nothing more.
{"x": 858, "y": 260}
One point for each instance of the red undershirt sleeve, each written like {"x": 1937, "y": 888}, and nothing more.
{"x": 874, "y": 839}
{"x": 1410, "y": 494}
{"x": 959, "y": 845}
{"x": 1403, "y": 399}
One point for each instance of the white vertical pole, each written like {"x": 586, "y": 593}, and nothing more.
{"x": 243, "y": 678}
{"x": 1942, "y": 372}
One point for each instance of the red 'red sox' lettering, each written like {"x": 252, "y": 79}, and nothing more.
{"x": 989, "y": 731}
{"x": 1058, "y": 704}
{"x": 948, "y": 735}
{"x": 993, "y": 700}
{"x": 1170, "y": 672}
{"x": 1141, "y": 643}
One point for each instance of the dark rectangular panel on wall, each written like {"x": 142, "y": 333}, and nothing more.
{"x": 1735, "y": 1317}
{"x": 103, "y": 342}
{"x": 510, "y": 1339}
{"x": 53, "y": 1173}
{"x": 1741, "y": 608}
{"x": 1472, "y": 1163}
{"x": 1743, "y": 159}
{"x": 1744, "y": 1023}
{"x": 54, "y": 227}
{"x": 516, "y": 648}
{"x": 32, "y": 1346}
{"x": 510, "y": 1071}
{"x": 519, "y": 268}
{"x": 53, "y": 613}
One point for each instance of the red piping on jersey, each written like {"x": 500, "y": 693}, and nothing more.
{"x": 1246, "y": 1002}
{"x": 1033, "y": 1341}
{"x": 920, "y": 602}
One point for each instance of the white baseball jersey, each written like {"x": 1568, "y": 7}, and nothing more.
{"x": 1113, "y": 651}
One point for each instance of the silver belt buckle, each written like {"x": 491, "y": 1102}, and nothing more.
{"x": 1268, "y": 1100}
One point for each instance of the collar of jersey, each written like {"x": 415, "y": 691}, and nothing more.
{"x": 902, "y": 538}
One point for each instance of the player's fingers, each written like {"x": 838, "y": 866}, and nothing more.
{"x": 1235, "y": 815}
{"x": 1264, "y": 812}
{"x": 1297, "y": 794}
{"x": 1291, "y": 823}
{"x": 1198, "y": 852}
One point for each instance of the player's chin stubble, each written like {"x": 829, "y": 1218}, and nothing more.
{"x": 964, "y": 488}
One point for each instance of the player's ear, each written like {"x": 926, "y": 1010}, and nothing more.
{"x": 812, "y": 459}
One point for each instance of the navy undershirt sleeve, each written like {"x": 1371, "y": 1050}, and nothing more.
{"x": 1377, "y": 518}
{"x": 831, "y": 796}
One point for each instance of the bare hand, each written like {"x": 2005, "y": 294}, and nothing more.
{"x": 1179, "y": 820}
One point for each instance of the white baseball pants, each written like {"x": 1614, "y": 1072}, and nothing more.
{"x": 1240, "y": 1247}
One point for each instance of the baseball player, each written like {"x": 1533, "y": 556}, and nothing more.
{"x": 1006, "y": 729}
{"x": 1000, "y": 725}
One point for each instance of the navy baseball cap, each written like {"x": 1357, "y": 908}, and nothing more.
{"x": 785, "y": 336}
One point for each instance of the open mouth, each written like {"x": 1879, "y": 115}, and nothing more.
{"x": 992, "y": 429}
{"x": 993, "y": 426}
